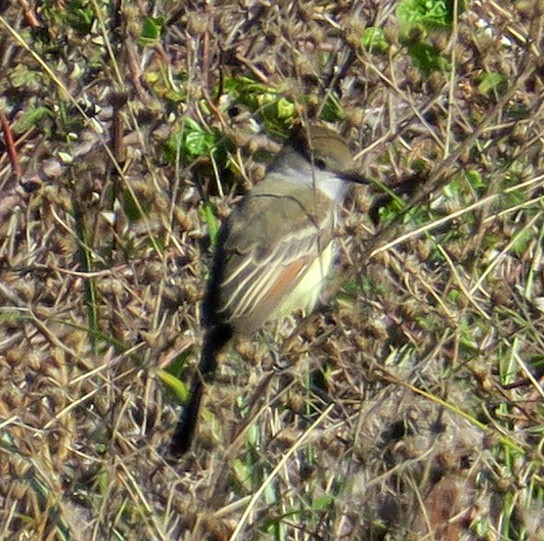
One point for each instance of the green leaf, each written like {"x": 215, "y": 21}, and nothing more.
{"x": 242, "y": 473}
{"x": 475, "y": 179}
{"x": 196, "y": 140}
{"x": 374, "y": 41}
{"x": 426, "y": 14}
{"x": 269, "y": 103}
{"x": 331, "y": 110}
{"x": 427, "y": 58}
{"x": 151, "y": 31}
{"x": 491, "y": 82}
{"x": 79, "y": 15}
{"x": 322, "y": 502}
{"x": 213, "y": 224}
{"x": 521, "y": 241}
{"x": 132, "y": 209}
{"x": 285, "y": 108}
{"x": 31, "y": 118}
{"x": 175, "y": 385}
{"x": 190, "y": 140}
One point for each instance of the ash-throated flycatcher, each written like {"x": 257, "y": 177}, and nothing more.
{"x": 274, "y": 251}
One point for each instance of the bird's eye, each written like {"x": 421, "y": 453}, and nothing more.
{"x": 320, "y": 163}
{"x": 233, "y": 111}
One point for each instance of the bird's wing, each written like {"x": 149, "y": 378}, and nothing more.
{"x": 270, "y": 243}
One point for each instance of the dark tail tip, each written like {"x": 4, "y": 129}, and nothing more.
{"x": 216, "y": 338}
{"x": 185, "y": 429}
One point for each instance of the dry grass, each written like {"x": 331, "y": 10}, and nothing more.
{"x": 411, "y": 408}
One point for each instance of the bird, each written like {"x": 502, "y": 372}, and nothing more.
{"x": 274, "y": 252}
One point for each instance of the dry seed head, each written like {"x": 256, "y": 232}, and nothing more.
{"x": 424, "y": 248}
{"x": 151, "y": 339}
{"x": 381, "y": 259}
{"x": 183, "y": 219}
{"x": 363, "y": 342}
{"x": 309, "y": 333}
{"x": 296, "y": 402}
{"x": 436, "y": 81}
{"x": 448, "y": 460}
{"x": 504, "y": 484}
{"x": 410, "y": 310}
{"x": 14, "y": 398}
{"x": 356, "y": 117}
{"x": 63, "y": 245}
{"x": 109, "y": 286}
{"x": 480, "y": 370}
{"x": 197, "y": 23}
{"x": 530, "y": 8}
{"x": 43, "y": 312}
{"x": 19, "y": 490}
{"x": 26, "y": 289}
{"x": 152, "y": 273}
{"x": 55, "y": 367}
{"x": 331, "y": 348}
{"x": 457, "y": 250}
{"x": 392, "y": 35}
{"x": 376, "y": 330}
{"x": 257, "y": 171}
{"x": 539, "y": 8}
{"x": 16, "y": 355}
{"x": 519, "y": 134}
{"x": 132, "y": 16}
{"x": 76, "y": 338}
{"x": 222, "y": 209}
{"x": 305, "y": 67}
{"x": 34, "y": 360}
{"x": 57, "y": 196}
{"x": 191, "y": 294}
{"x": 246, "y": 348}
{"x": 162, "y": 205}
{"x": 144, "y": 190}
{"x": 217, "y": 529}
{"x": 287, "y": 436}
{"x": 413, "y": 77}
{"x": 353, "y": 38}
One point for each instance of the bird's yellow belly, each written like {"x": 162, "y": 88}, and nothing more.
{"x": 310, "y": 285}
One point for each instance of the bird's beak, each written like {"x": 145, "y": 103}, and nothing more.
{"x": 355, "y": 177}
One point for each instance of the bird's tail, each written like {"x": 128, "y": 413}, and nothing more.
{"x": 214, "y": 341}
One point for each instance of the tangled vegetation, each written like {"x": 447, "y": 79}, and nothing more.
{"x": 409, "y": 407}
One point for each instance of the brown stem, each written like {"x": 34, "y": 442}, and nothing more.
{"x": 30, "y": 15}
{"x": 10, "y": 146}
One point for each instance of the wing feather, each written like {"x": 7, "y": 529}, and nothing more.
{"x": 262, "y": 263}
